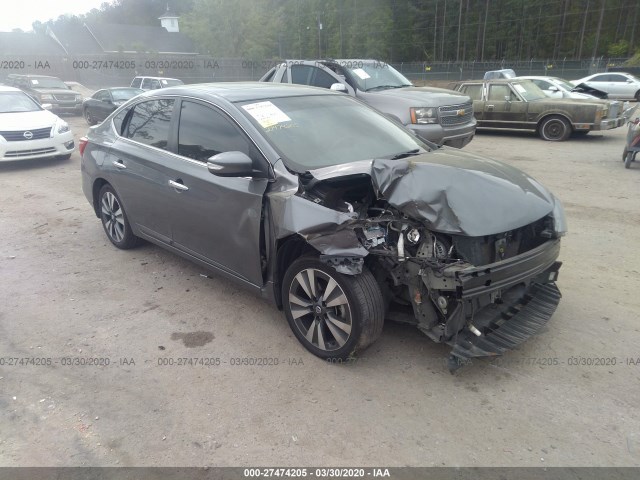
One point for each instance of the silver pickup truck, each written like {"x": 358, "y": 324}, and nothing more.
{"x": 438, "y": 115}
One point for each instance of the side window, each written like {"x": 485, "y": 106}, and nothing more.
{"x": 149, "y": 123}
{"x": 155, "y": 84}
{"x": 617, "y": 78}
{"x": 204, "y": 132}
{"x": 301, "y": 74}
{"x": 119, "y": 118}
{"x": 285, "y": 76}
{"x": 146, "y": 83}
{"x": 474, "y": 91}
{"x": 136, "y": 82}
{"x": 322, "y": 79}
{"x": 102, "y": 96}
{"x": 600, "y": 78}
{"x": 497, "y": 93}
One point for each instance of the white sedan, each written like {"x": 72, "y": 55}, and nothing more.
{"x": 616, "y": 84}
{"x": 555, "y": 87}
{"x": 29, "y": 131}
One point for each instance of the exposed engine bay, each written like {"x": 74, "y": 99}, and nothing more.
{"x": 455, "y": 288}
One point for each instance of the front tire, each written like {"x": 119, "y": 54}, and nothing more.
{"x": 334, "y": 316}
{"x": 114, "y": 219}
{"x": 555, "y": 129}
{"x": 628, "y": 160}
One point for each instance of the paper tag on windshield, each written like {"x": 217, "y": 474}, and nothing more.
{"x": 519, "y": 88}
{"x": 361, "y": 73}
{"x": 266, "y": 113}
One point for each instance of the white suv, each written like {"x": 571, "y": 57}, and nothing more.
{"x": 154, "y": 83}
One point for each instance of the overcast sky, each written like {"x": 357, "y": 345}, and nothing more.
{"x": 22, "y": 13}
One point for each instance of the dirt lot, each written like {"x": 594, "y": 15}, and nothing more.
{"x": 67, "y": 295}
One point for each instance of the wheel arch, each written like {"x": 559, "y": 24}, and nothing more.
{"x": 288, "y": 249}
{"x": 98, "y": 183}
{"x": 547, "y": 115}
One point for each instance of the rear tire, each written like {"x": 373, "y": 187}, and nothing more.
{"x": 554, "y": 129}
{"x": 114, "y": 219}
{"x": 333, "y": 315}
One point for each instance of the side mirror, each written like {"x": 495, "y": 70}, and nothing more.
{"x": 47, "y": 106}
{"x": 231, "y": 164}
{"x": 338, "y": 87}
{"x": 554, "y": 89}
{"x": 507, "y": 98}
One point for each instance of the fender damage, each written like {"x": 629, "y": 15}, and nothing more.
{"x": 464, "y": 248}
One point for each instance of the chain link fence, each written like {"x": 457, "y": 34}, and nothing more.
{"x": 111, "y": 70}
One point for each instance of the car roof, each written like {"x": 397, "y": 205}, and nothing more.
{"x": 242, "y": 91}
{"x": 28, "y": 75}
{"x": 157, "y": 78}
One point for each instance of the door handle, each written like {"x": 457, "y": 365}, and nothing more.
{"x": 178, "y": 186}
{"x": 490, "y": 107}
{"x": 119, "y": 164}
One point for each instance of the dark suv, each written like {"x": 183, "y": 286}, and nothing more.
{"x": 49, "y": 90}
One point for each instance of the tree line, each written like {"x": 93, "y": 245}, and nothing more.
{"x": 396, "y": 30}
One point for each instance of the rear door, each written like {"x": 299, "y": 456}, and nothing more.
{"x": 216, "y": 220}
{"x": 474, "y": 91}
{"x": 140, "y": 167}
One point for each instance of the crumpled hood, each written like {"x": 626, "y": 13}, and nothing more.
{"x": 455, "y": 192}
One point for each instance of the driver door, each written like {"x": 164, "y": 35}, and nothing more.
{"x": 217, "y": 220}
{"x": 504, "y": 108}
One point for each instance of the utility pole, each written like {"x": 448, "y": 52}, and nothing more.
{"x": 595, "y": 47}
{"x": 319, "y": 36}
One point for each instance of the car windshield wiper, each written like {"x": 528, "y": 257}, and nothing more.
{"x": 409, "y": 153}
{"x": 381, "y": 87}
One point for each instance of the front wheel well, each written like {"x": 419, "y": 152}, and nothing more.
{"x": 554, "y": 127}
{"x": 289, "y": 249}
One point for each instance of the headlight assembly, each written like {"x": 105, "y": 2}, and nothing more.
{"x": 424, "y": 115}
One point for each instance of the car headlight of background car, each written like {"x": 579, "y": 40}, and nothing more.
{"x": 422, "y": 115}
{"x": 62, "y": 126}
{"x": 46, "y": 96}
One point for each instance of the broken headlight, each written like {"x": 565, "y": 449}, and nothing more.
{"x": 559, "y": 219}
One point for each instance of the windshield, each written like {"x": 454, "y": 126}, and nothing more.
{"x": 564, "y": 84}
{"x": 47, "y": 82}
{"x": 324, "y": 130}
{"x": 122, "y": 94}
{"x": 374, "y": 76}
{"x": 14, "y": 102}
{"x": 529, "y": 90}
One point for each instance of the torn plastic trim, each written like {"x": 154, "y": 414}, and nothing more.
{"x": 345, "y": 265}
{"x": 506, "y": 328}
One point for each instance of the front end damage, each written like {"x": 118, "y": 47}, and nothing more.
{"x": 463, "y": 248}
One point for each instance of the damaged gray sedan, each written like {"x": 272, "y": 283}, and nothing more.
{"x": 340, "y": 216}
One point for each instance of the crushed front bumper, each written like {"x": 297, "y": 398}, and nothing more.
{"x": 505, "y": 328}
{"x": 494, "y": 308}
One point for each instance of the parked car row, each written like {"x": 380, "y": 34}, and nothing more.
{"x": 519, "y": 104}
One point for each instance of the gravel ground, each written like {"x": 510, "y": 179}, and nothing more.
{"x": 67, "y": 295}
